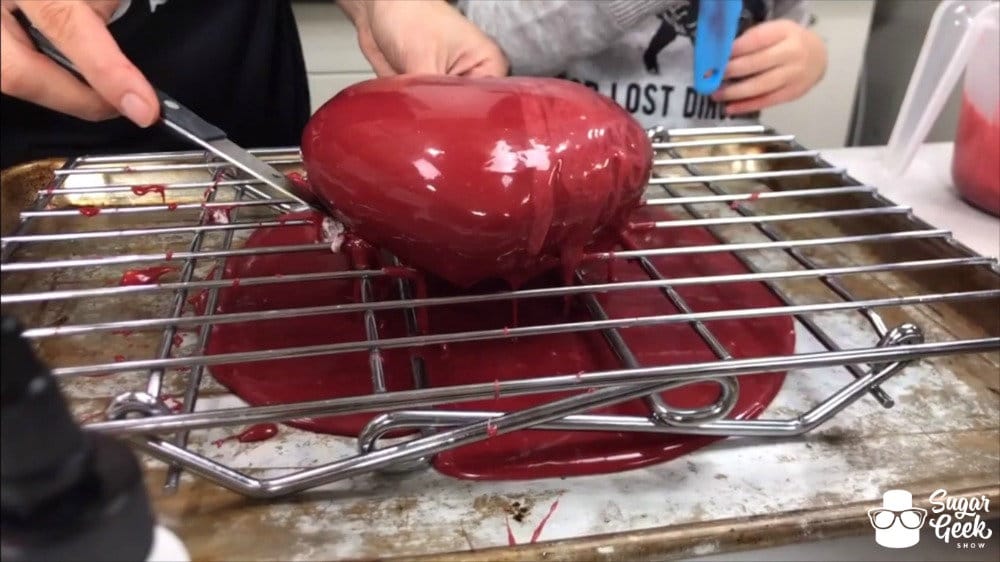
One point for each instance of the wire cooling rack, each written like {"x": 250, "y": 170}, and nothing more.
{"x": 808, "y": 231}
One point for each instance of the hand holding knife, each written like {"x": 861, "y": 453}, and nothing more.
{"x": 189, "y": 126}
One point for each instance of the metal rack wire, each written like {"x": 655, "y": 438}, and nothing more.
{"x": 702, "y": 173}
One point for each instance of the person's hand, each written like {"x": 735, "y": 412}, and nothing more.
{"x": 772, "y": 63}
{"x": 77, "y": 29}
{"x": 422, "y": 37}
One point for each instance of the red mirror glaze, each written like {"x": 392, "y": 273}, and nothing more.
{"x": 472, "y": 179}
{"x": 522, "y": 454}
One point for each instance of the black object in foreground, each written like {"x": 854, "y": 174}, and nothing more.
{"x": 66, "y": 494}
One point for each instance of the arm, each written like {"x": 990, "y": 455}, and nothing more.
{"x": 422, "y": 37}
{"x": 540, "y": 38}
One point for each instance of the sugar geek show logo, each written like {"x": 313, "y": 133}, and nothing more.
{"x": 955, "y": 520}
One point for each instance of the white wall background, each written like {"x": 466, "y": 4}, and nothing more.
{"x": 821, "y": 119}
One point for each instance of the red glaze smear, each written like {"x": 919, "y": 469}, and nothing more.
{"x": 519, "y": 454}
{"x": 299, "y": 181}
{"x": 123, "y": 333}
{"x": 252, "y": 434}
{"x": 141, "y": 190}
{"x": 177, "y": 340}
{"x": 553, "y": 163}
{"x": 221, "y": 214}
{"x": 302, "y": 186}
{"x": 171, "y": 206}
{"x": 89, "y": 210}
{"x": 198, "y": 301}
{"x": 541, "y": 525}
{"x": 215, "y": 184}
{"x": 169, "y": 255}
{"x": 736, "y": 202}
{"x": 119, "y": 358}
{"x": 537, "y": 533}
{"x": 147, "y": 276}
{"x": 172, "y": 401}
{"x": 977, "y": 151}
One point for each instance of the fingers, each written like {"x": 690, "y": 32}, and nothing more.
{"x": 757, "y": 62}
{"x": 774, "y": 62}
{"x": 490, "y": 68}
{"x": 760, "y": 37}
{"x": 29, "y": 75}
{"x": 758, "y": 85}
{"x": 759, "y": 103}
{"x": 80, "y": 33}
{"x": 492, "y": 63}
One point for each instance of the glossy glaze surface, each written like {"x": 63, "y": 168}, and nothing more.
{"x": 524, "y": 454}
{"x": 473, "y": 179}
{"x": 976, "y": 161}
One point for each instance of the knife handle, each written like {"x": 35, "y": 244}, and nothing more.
{"x": 181, "y": 117}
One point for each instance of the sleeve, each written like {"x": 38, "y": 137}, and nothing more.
{"x": 795, "y": 10}
{"x": 540, "y": 38}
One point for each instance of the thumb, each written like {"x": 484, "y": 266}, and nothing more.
{"x": 80, "y": 33}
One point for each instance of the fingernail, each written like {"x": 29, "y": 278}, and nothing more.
{"x": 133, "y": 107}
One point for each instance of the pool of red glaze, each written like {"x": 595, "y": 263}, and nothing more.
{"x": 521, "y": 454}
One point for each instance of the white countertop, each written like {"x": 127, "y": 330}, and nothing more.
{"x": 927, "y": 188}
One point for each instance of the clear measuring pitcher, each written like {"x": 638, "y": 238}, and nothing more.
{"x": 964, "y": 36}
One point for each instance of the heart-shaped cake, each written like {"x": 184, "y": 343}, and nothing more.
{"x": 477, "y": 178}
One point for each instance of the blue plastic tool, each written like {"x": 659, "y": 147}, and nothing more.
{"x": 718, "y": 21}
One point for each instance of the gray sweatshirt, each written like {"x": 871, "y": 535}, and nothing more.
{"x": 638, "y": 52}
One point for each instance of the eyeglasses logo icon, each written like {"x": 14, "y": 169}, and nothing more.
{"x": 897, "y": 523}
